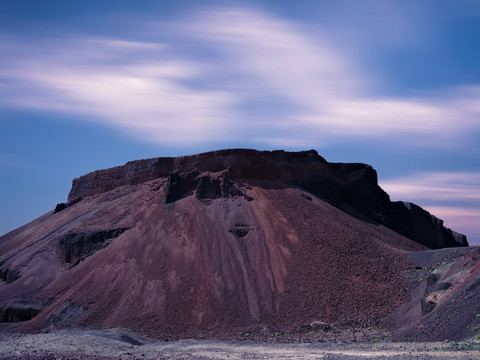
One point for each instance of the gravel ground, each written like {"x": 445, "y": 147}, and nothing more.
{"x": 123, "y": 344}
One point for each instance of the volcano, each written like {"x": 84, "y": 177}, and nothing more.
{"x": 218, "y": 242}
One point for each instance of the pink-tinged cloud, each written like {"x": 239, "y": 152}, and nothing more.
{"x": 451, "y": 196}
{"x": 458, "y": 217}
{"x": 461, "y": 219}
{"x": 264, "y": 78}
{"x": 432, "y": 187}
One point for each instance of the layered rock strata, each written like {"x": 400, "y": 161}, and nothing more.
{"x": 352, "y": 188}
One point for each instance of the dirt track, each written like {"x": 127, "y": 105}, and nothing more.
{"x": 121, "y": 344}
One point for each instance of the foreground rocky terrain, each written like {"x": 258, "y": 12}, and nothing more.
{"x": 123, "y": 344}
{"x": 240, "y": 244}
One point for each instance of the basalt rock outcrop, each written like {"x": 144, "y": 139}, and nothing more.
{"x": 76, "y": 246}
{"x": 15, "y": 310}
{"x": 418, "y": 224}
{"x": 8, "y": 275}
{"x": 217, "y": 243}
{"x": 62, "y": 206}
{"x": 441, "y": 302}
{"x": 352, "y": 188}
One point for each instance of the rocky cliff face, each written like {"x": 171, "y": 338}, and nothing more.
{"x": 352, "y": 188}
{"x": 216, "y": 243}
{"x": 418, "y": 224}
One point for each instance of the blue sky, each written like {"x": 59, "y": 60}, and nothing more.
{"x": 90, "y": 85}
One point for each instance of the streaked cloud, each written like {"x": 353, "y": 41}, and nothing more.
{"x": 435, "y": 186}
{"x": 255, "y": 76}
{"x": 278, "y": 56}
{"x": 451, "y": 196}
{"x": 458, "y": 217}
{"x": 147, "y": 98}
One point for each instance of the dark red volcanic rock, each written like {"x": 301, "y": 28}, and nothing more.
{"x": 215, "y": 242}
{"x": 352, "y": 188}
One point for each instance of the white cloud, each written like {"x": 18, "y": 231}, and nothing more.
{"x": 329, "y": 95}
{"x": 435, "y": 186}
{"x": 278, "y": 56}
{"x": 146, "y": 98}
{"x": 229, "y": 73}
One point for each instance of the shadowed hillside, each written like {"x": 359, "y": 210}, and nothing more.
{"x": 217, "y": 242}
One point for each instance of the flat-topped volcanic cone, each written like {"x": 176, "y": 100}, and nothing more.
{"x": 215, "y": 242}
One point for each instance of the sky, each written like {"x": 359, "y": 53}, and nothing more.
{"x": 88, "y": 85}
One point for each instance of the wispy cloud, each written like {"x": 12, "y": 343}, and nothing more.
{"x": 253, "y": 76}
{"x": 436, "y": 186}
{"x": 328, "y": 95}
{"x": 451, "y": 196}
{"x": 458, "y": 217}
{"x": 277, "y": 56}
{"x": 101, "y": 79}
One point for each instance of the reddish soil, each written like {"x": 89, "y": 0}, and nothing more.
{"x": 230, "y": 255}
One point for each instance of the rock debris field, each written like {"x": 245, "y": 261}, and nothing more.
{"x": 123, "y": 344}
{"x": 237, "y": 254}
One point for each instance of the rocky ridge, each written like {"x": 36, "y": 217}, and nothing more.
{"x": 352, "y": 187}
{"x": 221, "y": 243}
